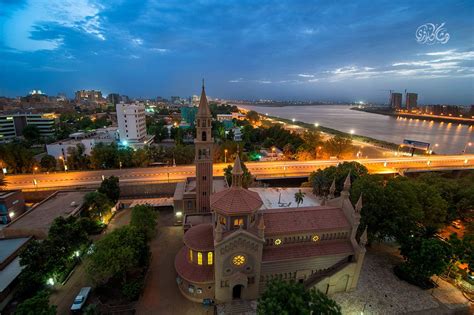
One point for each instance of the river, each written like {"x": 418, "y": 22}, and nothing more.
{"x": 445, "y": 138}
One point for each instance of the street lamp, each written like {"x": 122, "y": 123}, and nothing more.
{"x": 225, "y": 156}
{"x": 316, "y": 125}
{"x": 465, "y": 147}
{"x": 352, "y": 131}
{"x": 64, "y": 162}
{"x": 293, "y": 120}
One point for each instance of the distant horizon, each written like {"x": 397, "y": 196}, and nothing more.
{"x": 278, "y": 50}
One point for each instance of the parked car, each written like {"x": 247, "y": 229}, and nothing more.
{"x": 80, "y": 299}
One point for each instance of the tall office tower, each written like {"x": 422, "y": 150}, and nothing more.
{"x": 203, "y": 156}
{"x": 411, "y": 100}
{"x": 131, "y": 123}
{"x": 396, "y": 100}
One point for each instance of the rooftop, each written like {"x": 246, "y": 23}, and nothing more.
{"x": 200, "y": 237}
{"x": 236, "y": 200}
{"x": 298, "y": 220}
{"x": 38, "y": 219}
{"x": 8, "y": 246}
{"x": 274, "y": 198}
{"x": 341, "y": 247}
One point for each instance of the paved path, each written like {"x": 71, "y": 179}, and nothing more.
{"x": 161, "y": 294}
{"x": 379, "y": 291}
{"x": 63, "y": 296}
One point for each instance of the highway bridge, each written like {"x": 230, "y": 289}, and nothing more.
{"x": 262, "y": 170}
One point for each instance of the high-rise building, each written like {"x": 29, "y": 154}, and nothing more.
{"x": 131, "y": 123}
{"x": 175, "y": 99}
{"x": 11, "y": 126}
{"x": 411, "y": 100}
{"x": 203, "y": 155}
{"x": 88, "y": 95}
{"x": 113, "y": 98}
{"x": 396, "y": 100}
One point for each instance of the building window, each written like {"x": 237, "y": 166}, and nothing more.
{"x": 204, "y": 136}
{"x": 238, "y": 222}
{"x": 222, "y": 220}
{"x": 209, "y": 258}
{"x": 238, "y": 260}
{"x": 191, "y": 255}
{"x": 199, "y": 258}
{"x": 204, "y": 178}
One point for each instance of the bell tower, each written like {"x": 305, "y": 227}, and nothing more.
{"x": 203, "y": 155}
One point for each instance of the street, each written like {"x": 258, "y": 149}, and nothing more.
{"x": 63, "y": 296}
{"x": 262, "y": 170}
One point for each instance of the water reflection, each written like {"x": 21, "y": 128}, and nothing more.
{"x": 450, "y": 138}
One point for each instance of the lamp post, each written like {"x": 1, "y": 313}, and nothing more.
{"x": 225, "y": 156}
{"x": 273, "y": 153}
{"x": 64, "y": 162}
{"x": 465, "y": 147}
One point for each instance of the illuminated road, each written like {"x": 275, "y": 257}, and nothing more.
{"x": 261, "y": 170}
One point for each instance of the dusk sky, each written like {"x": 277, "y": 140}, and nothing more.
{"x": 319, "y": 50}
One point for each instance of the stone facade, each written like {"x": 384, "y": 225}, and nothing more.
{"x": 244, "y": 245}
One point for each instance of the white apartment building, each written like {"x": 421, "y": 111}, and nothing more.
{"x": 132, "y": 124}
{"x": 60, "y": 149}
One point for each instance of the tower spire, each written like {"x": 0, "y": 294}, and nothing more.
{"x": 237, "y": 172}
{"x": 203, "y": 109}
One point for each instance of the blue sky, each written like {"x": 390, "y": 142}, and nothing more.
{"x": 322, "y": 50}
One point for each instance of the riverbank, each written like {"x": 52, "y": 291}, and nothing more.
{"x": 426, "y": 117}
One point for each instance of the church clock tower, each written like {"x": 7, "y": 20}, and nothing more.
{"x": 203, "y": 155}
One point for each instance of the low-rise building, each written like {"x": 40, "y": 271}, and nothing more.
{"x": 60, "y": 149}
{"x": 36, "y": 221}
{"x": 11, "y": 126}
{"x": 10, "y": 269}
{"x": 12, "y": 204}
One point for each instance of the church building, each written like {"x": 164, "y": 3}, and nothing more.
{"x": 234, "y": 245}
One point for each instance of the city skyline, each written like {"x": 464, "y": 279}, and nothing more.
{"x": 276, "y": 50}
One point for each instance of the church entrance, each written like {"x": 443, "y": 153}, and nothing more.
{"x": 237, "y": 292}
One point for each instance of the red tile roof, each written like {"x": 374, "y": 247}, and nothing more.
{"x": 236, "y": 200}
{"x": 296, "y": 220}
{"x": 284, "y": 252}
{"x": 190, "y": 271}
{"x": 200, "y": 237}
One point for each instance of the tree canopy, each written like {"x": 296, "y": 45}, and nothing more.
{"x": 110, "y": 187}
{"x": 287, "y": 298}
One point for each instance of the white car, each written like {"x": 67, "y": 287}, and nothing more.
{"x": 80, "y": 299}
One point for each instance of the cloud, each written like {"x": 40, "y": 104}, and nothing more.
{"x": 34, "y": 26}
{"x": 236, "y": 80}
{"x": 159, "y": 50}
{"x": 137, "y": 41}
{"x": 304, "y": 75}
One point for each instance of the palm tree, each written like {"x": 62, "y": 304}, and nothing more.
{"x": 299, "y": 196}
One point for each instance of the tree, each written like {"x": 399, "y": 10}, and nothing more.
{"x": 17, "y": 157}
{"x": 253, "y": 116}
{"x": 287, "y": 298}
{"x": 299, "y": 196}
{"x": 247, "y": 178}
{"x": 48, "y": 163}
{"x": 97, "y": 205}
{"x": 140, "y": 158}
{"x": 338, "y": 146}
{"x": 322, "y": 179}
{"x": 433, "y": 206}
{"x": 424, "y": 257}
{"x": 31, "y": 133}
{"x": 105, "y": 156}
{"x": 37, "y": 305}
{"x": 111, "y": 188}
{"x": 117, "y": 253}
{"x": 66, "y": 235}
{"x": 144, "y": 217}
{"x": 77, "y": 158}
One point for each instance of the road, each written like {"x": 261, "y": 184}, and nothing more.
{"x": 262, "y": 170}
{"x": 62, "y": 296}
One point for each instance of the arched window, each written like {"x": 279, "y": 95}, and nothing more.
{"x": 209, "y": 258}
{"x": 204, "y": 136}
{"x": 199, "y": 258}
{"x": 191, "y": 255}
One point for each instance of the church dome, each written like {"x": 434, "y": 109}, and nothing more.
{"x": 200, "y": 237}
{"x": 236, "y": 200}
